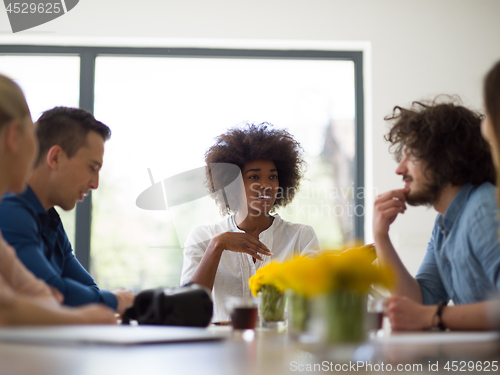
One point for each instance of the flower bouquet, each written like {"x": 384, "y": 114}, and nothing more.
{"x": 344, "y": 279}
{"x": 267, "y": 283}
{"x": 341, "y": 278}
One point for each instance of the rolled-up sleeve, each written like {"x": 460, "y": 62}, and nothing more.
{"x": 194, "y": 249}
{"x": 309, "y": 244}
{"x": 428, "y": 277}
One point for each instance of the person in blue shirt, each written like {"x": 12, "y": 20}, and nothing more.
{"x": 24, "y": 299}
{"x": 67, "y": 167}
{"x": 445, "y": 163}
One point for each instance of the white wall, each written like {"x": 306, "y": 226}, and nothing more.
{"x": 417, "y": 48}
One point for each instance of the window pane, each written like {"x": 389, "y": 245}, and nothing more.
{"x": 165, "y": 112}
{"x": 47, "y": 81}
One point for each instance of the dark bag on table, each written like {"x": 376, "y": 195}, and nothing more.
{"x": 189, "y": 306}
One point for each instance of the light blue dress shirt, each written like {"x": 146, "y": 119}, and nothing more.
{"x": 462, "y": 262}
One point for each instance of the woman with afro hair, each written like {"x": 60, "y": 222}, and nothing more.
{"x": 224, "y": 255}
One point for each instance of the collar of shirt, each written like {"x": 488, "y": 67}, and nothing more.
{"x": 454, "y": 210}
{"x": 268, "y": 233}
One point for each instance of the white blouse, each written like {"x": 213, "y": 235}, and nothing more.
{"x": 283, "y": 238}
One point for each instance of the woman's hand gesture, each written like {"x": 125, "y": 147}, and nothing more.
{"x": 240, "y": 243}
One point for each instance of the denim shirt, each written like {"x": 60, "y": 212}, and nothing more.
{"x": 462, "y": 262}
{"x": 42, "y": 245}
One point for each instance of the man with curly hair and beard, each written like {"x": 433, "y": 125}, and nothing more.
{"x": 445, "y": 163}
{"x": 271, "y": 165}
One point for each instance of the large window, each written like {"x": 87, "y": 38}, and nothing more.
{"x": 165, "y": 107}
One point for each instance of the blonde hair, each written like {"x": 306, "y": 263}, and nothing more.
{"x": 13, "y": 104}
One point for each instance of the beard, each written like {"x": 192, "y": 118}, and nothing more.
{"x": 426, "y": 196}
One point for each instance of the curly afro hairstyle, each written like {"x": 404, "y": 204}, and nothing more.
{"x": 241, "y": 145}
{"x": 447, "y": 137}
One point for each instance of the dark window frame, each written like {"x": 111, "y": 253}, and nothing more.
{"x": 88, "y": 57}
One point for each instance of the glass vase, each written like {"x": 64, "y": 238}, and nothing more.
{"x": 272, "y": 304}
{"x": 345, "y": 316}
{"x": 298, "y": 312}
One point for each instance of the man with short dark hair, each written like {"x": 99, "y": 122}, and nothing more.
{"x": 444, "y": 163}
{"x": 66, "y": 169}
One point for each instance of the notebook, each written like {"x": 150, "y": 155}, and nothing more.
{"x": 109, "y": 335}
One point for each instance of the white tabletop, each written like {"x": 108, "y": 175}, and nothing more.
{"x": 270, "y": 352}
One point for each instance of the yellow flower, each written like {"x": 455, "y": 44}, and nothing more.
{"x": 270, "y": 274}
{"x": 304, "y": 276}
{"x": 351, "y": 269}
{"x": 367, "y": 250}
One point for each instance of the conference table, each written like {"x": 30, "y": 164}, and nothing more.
{"x": 263, "y": 351}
